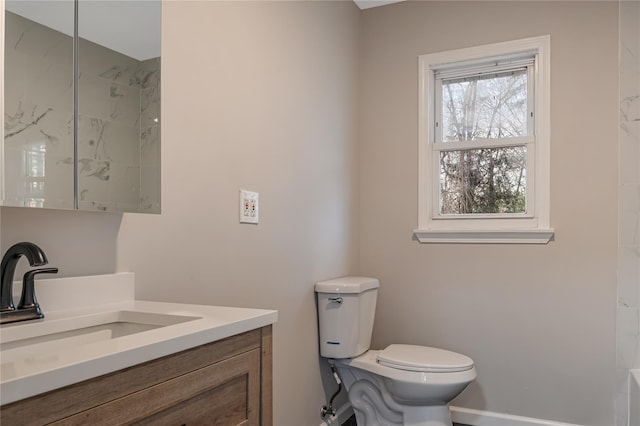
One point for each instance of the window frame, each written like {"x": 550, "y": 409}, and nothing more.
{"x": 529, "y": 227}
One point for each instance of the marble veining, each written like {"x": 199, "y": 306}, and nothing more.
{"x": 630, "y": 108}
{"x": 18, "y": 123}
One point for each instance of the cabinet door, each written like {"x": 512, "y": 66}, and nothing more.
{"x": 224, "y": 405}
{"x": 223, "y": 394}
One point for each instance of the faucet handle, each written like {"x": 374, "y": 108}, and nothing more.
{"x": 28, "y": 297}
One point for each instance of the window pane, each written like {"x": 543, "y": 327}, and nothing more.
{"x": 485, "y": 106}
{"x": 491, "y": 180}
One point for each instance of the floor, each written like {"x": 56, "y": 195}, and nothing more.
{"x": 351, "y": 421}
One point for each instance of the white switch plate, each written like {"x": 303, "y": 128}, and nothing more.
{"x": 249, "y": 206}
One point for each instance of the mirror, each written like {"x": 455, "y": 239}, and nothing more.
{"x": 38, "y": 105}
{"x": 82, "y": 126}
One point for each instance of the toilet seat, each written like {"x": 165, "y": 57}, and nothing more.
{"x": 423, "y": 359}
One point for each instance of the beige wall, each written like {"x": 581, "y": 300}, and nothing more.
{"x": 259, "y": 96}
{"x": 538, "y": 320}
{"x": 264, "y": 99}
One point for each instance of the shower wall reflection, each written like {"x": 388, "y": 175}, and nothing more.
{"x": 118, "y": 138}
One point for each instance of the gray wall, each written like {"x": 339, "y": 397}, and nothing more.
{"x": 538, "y": 320}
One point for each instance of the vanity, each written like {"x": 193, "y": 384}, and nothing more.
{"x": 126, "y": 361}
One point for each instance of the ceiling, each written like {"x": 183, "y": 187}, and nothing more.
{"x": 366, "y": 4}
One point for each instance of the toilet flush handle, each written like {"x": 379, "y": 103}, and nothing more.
{"x": 337, "y": 300}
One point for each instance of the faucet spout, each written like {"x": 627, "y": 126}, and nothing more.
{"x": 34, "y": 255}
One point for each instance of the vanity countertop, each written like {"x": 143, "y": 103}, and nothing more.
{"x": 30, "y": 374}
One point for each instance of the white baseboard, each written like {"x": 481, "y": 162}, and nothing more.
{"x": 342, "y": 414}
{"x": 468, "y": 416}
{"x": 465, "y": 416}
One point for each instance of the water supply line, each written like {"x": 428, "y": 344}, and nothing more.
{"x": 330, "y": 410}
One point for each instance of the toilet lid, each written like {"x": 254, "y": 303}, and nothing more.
{"x": 423, "y": 358}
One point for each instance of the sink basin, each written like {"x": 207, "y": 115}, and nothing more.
{"x": 22, "y": 341}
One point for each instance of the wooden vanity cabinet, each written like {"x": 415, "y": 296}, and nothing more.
{"x": 223, "y": 383}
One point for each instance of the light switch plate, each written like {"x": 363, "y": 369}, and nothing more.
{"x": 249, "y": 206}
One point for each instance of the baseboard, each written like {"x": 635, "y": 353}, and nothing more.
{"x": 465, "y": 416}
{"x": 342, "y": 414}
{"x": 468, "y": 416}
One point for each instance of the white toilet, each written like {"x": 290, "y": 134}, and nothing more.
{"x": 399, "y": 385}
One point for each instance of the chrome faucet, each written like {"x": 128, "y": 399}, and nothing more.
{"x": 28, "y": 307}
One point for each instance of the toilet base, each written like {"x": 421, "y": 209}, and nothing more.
{"x": 434, "y": 415}
{"x": 373, "y": 406}
{"x": 437, "y": 415}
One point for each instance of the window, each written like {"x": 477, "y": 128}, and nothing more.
{"x": 34, "y": 174}
{"x": 484, "y": 144}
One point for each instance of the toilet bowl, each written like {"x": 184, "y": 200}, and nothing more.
{"x": 399, "y": 385}
{"x": 385, "y": 394}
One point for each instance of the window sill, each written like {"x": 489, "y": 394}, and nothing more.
{"x": 510, "y": 236}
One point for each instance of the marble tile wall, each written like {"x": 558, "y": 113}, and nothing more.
{"x": 118, "y": 137}
{"x": 150, "y": 136}
{"x": 628, "y": 318}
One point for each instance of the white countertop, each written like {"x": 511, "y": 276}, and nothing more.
{"x": 24, "y": 377}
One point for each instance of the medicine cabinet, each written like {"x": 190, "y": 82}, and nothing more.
{"x": 82, "y": 105}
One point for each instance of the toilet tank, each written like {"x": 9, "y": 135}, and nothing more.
{"x": 346, "y": 310}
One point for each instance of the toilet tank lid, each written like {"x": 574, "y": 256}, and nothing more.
{"x": 347, "y": 285}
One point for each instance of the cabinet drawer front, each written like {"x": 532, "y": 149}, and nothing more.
{"x": 225, "y": 393}
{"x": 65, "y": 402}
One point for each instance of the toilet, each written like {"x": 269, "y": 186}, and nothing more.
{"x": 399, "y": 385}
